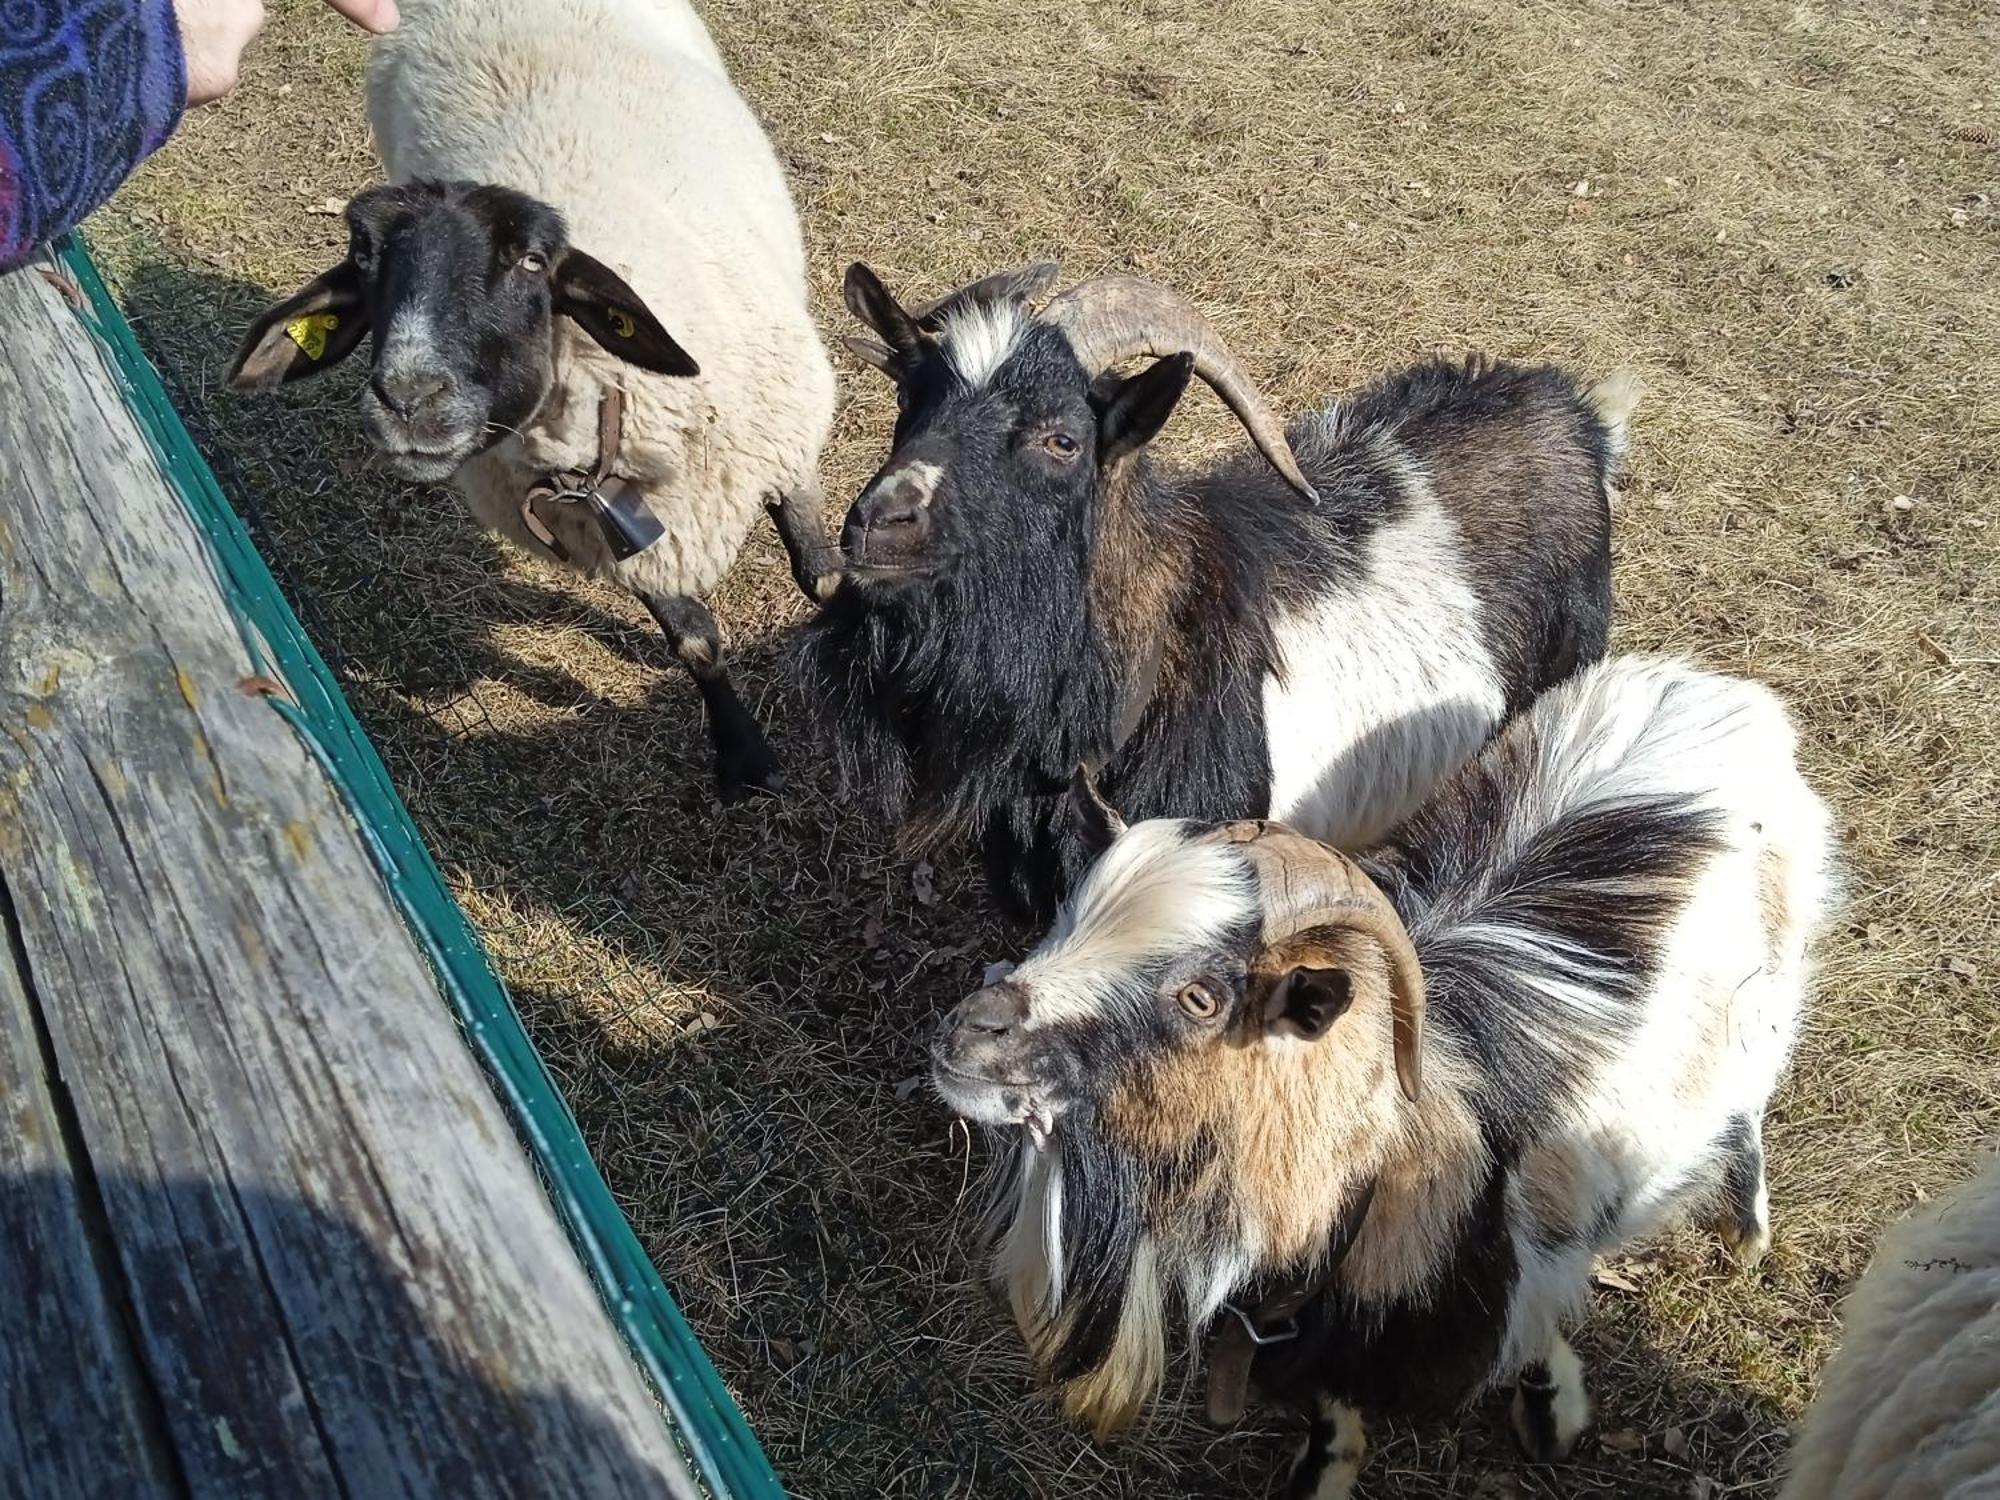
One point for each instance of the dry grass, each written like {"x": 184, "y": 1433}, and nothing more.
{"x": 1786, "y": 230}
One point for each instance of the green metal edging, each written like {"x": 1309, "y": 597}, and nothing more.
{"x": 705, "y": 1416}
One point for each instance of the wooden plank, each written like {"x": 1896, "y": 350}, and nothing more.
{"x": 56, "y": 1273}
{"x": 343, "y": 1277}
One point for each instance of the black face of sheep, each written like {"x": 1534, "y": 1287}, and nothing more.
{"x": 459, "y": 284}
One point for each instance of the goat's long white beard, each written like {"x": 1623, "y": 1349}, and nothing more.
{"x": 1029, "y": 1261}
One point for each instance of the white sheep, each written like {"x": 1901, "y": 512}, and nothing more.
{"x": 1910, "y": 1406}
{"x": 618, "y": 116}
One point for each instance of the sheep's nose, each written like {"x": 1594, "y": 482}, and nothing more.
{"x": 990, "y": 1013}
{"x": 408, "y": 393}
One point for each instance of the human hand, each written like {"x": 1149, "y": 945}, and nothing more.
{"x": 215, "y": 32}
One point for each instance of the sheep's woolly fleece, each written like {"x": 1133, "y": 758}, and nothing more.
{"x": 542, "y": 95}
{"x": 1910, "y": 1409}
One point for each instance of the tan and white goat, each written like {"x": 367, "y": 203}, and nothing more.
{"x": 1382, "y": 1113}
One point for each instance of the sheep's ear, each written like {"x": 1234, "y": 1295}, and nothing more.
{"x": 598, "y": 301}
{"x": 874, "y": 304}
{"x": 1096, "y": 820}
{"x": 1307, "y": 999}
{"x": 314, "y": 329}
{"x": 1139, "y": 408}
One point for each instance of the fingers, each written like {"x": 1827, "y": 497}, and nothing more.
{"x": 213, "y": 36}
{"x": 375, "y": 16}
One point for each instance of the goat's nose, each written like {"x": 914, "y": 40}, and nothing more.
{"x": 991, "y": 1012}
{"x": 406, "y": 393}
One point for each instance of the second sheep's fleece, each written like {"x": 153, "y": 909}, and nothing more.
{"x": 1910, "y": 1408}
{"x": 574, "y": 178}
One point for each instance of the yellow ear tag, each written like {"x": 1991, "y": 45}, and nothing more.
{"x": 621, "y": 323}
{"x": 309, "y": 332}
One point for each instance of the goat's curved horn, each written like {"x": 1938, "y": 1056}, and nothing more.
{"x": 1306, "y": 885}
{"x": 1110, "y": 319}
{"x": 1026, "y": 283}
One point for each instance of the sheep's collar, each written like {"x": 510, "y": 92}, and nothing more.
{"x": 1240, "y": 1333}
{"x": 627, "y": 521}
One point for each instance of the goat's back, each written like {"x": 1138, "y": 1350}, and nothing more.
{"x": 1910, "y": 1406}
{"x": 1612, "y": 904}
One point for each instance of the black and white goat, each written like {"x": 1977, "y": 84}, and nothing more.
{"x": 1025, "y": 591}
{"x": 1404, "y": 1099}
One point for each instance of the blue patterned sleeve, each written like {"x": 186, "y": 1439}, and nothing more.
{"x": 88, "y": 89}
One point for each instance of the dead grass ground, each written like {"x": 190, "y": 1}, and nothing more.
{"x": 1779, "y": 214}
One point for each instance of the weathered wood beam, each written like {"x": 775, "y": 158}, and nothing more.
{"x": 279, "y": 1237}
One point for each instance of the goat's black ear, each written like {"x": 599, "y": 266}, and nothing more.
{"x": 875, "y": 305}
{"x": 314, "y": 329}
{"x": 598, "y": 301}
{"x": 1139, "y": 408}
{"x": 879, "y": 356}
{"x": 1310, "y": 999}
{"x": 1097, "y": 821}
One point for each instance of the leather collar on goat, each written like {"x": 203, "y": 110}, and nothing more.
{"x": 1239, "y": 1334}
{"x": 627, "y": 521}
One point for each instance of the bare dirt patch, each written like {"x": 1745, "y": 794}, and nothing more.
{"x": 1780, "y": 215}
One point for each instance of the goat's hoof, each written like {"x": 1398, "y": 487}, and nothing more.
{"x": 749, "y": 776}
{"x": 1747, "y": 1235}
{"x": 1747, "y": 1243}
{"x": 1551, "y": 1408}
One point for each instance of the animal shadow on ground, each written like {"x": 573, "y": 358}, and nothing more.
{"x": 737, "y": 1001}
{"x": 377, "y": 1357}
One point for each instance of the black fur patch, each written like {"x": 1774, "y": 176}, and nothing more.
{"x": 1427, "y": 1353}
{"x": 1595, "y": 892}
{"x": 1100, "y": 1236}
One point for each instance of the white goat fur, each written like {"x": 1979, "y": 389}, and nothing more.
{"x": 620, "y": 114}
{"x": 1722, "y": 1014}
{"x": 1910, "y": 1406}
{"x": 1715, "y": 1030}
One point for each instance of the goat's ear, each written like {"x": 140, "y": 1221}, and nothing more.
{"x": 1097, "y": 821}
{"x": 879, "y": 356}
{"x": 1308, "y": 999}
{"x": 314, "y": 329}
{"x": 1139, "y": 408}
{"x": 598, "y": 301}
{"x": 875, "y": 305}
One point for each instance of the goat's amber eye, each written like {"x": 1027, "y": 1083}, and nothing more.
{"x": 1061, "y": 444}
{"x": 1199, "y": 1001}
{"x": 533, "y": 264}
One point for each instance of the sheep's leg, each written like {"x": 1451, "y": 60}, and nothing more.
{"x": 743, "y": 759}
{"x": 800, "y": 517}
{"x": 1746, "y": 1200}
{"x": 1551, "y": 1406}
{"x": 1336, "y": 1443}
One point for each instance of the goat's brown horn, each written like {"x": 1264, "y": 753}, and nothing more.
{"x": 1027, "y": 283}
{"x": 1308, "y": 885}
{"x": 1110, "y": 319}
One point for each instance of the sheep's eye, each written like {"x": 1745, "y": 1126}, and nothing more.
{"x": 533, "y": 263}
{"x": 361, "y": 253}
{"x": 1061, "y": 445}
{"x": 1199, "y": 1001}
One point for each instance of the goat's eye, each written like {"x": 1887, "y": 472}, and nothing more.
{"x": 1061, "y": 445}
{"x": 1199, "y": 1001}
{"x": 533, "y": 263}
